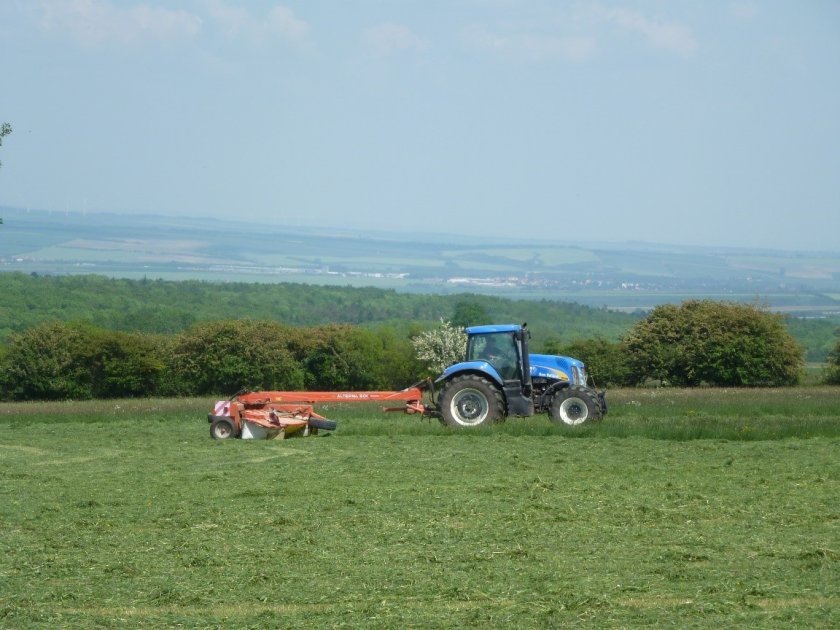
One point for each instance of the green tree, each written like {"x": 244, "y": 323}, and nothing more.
{"x": 832, "y": 376}
{"x": 606, "y": 361}
{"x": 398, "y": 364}
{"x": 222, "y": 357}
{"x": 346, "y": 357}
{"x": 43, "y": 363}
{"x": 58, "y": 361}
{"x": 470, "y": 313}
{"x": 124, "y": 365}
{"x": 704, "y": 342}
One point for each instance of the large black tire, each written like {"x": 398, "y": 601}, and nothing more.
{"x": 222, "y": 429}
{"x": 575, "y": 405}
{"x": 471, "y": 401}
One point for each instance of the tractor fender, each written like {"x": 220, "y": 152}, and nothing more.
{"x": 482, "y": 368}
{"x": 552, "y": 389}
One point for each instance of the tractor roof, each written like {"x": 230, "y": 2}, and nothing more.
{"x": 494, "y": 328}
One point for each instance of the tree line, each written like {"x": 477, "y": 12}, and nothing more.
{"x": 694, "y": 344}
{"x": 61, "y": 361}
{"x": 172, "y": 307}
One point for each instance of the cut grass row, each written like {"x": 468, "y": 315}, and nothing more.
{"x": 668, "y": 414}
{"x": 126, "y": 513}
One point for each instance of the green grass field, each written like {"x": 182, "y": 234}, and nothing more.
{"x": 682, "y": 508}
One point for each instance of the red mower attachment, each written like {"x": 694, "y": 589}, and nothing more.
{"x": 270, "y": 414}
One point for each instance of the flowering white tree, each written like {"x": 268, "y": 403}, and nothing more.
{"x": 441, "y": 346}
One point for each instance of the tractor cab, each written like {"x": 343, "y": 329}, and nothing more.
{"x": 505, "y": 348}
{"x": 500, "y": 348}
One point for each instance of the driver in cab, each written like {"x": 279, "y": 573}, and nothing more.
{"x": 501, "y": 358}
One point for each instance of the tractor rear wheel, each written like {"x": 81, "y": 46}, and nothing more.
{"x": 222, "y": 429}
{"x": 574, "y": 405}
{"x": 471, "y": 401}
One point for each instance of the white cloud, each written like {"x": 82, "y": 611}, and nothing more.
{"x": 530, "y": 46}
{"x": 388, "y": 38}
{"x": 746, "y": 11}
{"x": 94, "y": 22}
{"x": 659, "y": 33}
{"x": 238, "y": 22}
{"x": 283, "y": 21}
{"x": 234, "y": 21}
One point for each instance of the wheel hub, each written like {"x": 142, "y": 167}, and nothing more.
{"x": 574, "y": 411}
{"x": 469, "y": 406}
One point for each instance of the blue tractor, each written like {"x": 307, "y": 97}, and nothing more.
{"x": 499, "y": 378}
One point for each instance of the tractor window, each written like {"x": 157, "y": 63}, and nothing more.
{"x": 498, "y": 350}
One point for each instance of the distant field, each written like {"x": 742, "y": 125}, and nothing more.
{"x": 790, "y": 266}
{"x": 627, "y": 276}
{"x": 296, "y": 259}
{"x": 544, "y": 255}
{"x": 104, "y": 255}
{"x": 683, "y": 508}
{"x": 632, "y": 300}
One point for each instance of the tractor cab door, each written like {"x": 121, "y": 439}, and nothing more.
{"x": 499, "y": 350}
{"x": 504, "y": 351}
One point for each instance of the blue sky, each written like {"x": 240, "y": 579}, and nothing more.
{"x": 702, "y": 123}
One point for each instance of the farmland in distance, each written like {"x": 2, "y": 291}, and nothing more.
{"x": 621, "y": 276}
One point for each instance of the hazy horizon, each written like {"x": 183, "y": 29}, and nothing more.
{"x": 403, "y": 235}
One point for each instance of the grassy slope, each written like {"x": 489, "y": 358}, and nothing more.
{"x": 128, "y": 514}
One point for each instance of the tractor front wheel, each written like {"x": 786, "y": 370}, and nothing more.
{"x": 471, "y": 401}
{"x": 574, "y": 405}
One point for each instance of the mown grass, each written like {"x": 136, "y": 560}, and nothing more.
{"x": 683, "y": 508}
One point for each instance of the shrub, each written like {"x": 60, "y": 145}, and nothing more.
{"x": 43, "y": 363}
{"x": 703, "y": 342}
{"x": 606, "y": 361}
{"x": 832, "y": 375}
{"x": 124, "y": 365}
{"x": 58, "y": 361}
{"x": 224, "y": 356}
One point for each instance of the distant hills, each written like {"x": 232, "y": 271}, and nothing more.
{"x": 560, "y": 265}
